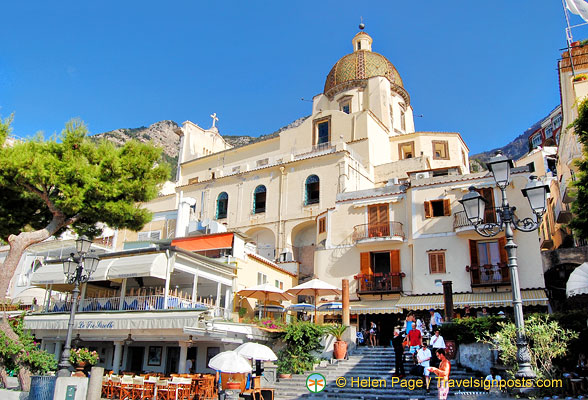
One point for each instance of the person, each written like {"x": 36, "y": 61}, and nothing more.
{"x": 420, "y": 326}
{"x": 467, "y": 312}
{"x": 495, "y": 378}
{"x": 483, "y": 313}
{"x": 415, "y": 340}
{"x": 409, "y": 322}
{"x": 443, "y": 373}
{"x": 398, "y": 353}
{"x": 189, "y": 366}
{"x": 437, "y": 342}
{"x": 373, "y": 328}
{"x": 501, "y": 314}
{"x": 424, "y": 359}
{"x": 435, "y": 321}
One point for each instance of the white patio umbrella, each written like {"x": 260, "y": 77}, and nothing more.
{"x": 230, "y": 362}
{"x": 256, "y": 351}
{"x": 301, "y": 307}
{"x": 315, "y": 288}
{"x": 331, "y": 306}
{"x": 578, "y": 281}
{"x": 265, "y": 292}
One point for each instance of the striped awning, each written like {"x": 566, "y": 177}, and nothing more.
{"x": 375, "y": 307}
{"x": 530, "y": 297}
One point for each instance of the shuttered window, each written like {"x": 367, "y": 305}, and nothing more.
{"x": 437, "y": 262}
{"x": 322, "y": 225}
{"x": 437, "y": 208}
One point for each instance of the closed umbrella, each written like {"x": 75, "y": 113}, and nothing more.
{"x": 230, "y": 362}
{"x": 265, "y": 292}
{"x": 315, "y": 288}
{"x": 256, "y": 351}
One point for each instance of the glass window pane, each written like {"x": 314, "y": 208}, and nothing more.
{"x": 482, "y": 254}
{"x": 494, "y": 253}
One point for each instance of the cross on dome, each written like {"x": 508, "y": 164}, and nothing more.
{"x": 214, "y": 119}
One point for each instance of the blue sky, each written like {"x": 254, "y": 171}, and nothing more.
{"x": 484, "y": 69}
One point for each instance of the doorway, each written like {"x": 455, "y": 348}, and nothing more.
{"x": 135, "y": 363}
{"x": 385, "y": 326}
{"x": 172, "y": 360}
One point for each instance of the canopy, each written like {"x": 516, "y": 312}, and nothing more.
{"x": 265, "y": 292}
{"x": 154, "y": 265}
{"x": 578, "y": 281}
{"x": 27, "y": 296}
{"x": 301, "y": 307}
{"x": 375, "y": 307}
{"x": 331, "y": 306}
{"x": 230, "y": 362}
{"x": 49, "y": 274}
{"x": 256, "y": 351}
{"x": 208, "y": 242}
{"x": 314, "y": 288}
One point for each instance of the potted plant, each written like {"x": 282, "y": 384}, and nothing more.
{"x": 82, "y": 357}
{"x": 242, "y": 312}
{"x": 340, "y": 346}
{"x": 284, "y": 367}
{"x": 233, "y": 384}
{"x": 580, "y": 77}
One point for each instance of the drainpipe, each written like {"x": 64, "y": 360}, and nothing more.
{"x": 281, "y": 233}
{"x": 167, "y": 279}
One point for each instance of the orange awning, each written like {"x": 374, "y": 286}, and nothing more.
{"x": 208, "y": 242}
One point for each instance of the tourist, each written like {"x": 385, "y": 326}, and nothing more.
{"x": 409, "y": 322}
{"x": 415, "y": 340}
{"x": 443, "y": 373}
{"x": 437, "y": 342}
{"x": 424, "y": 359}
{"x": 495, "y": 379}
{"x": 373, "y": 330}
{"x": 398, "y": 353}
{"x": 189, "y": 366}
{"x": 435, "y": 321}
{"x": 420, "y": 326}
{"x": 483, "y": 313}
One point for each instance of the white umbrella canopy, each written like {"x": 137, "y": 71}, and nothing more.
{"x": 256, "y": 351}
{"x": 314, "y": 287}
{"x": 229, "y": 362}
{"x": 265, "y": 292}
{"x": 578, "y": 281}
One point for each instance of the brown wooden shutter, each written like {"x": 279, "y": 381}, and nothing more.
{"x": 474, "y": 253}
{"x": 383, "y": 214}
{"x": 372, "y": 215}
{"x": 365, "y": 264}
{"x": 503, "y": 253}
{"x": 441, "y": 263}
{"x": 428, "y": 209}
{"x": 446, "y": 207}
{"x": 432, "y": 263}
{"x": 395, "y": 261}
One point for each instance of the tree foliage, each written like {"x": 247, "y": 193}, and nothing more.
{"x": 467, "y": 330}
{"x": 579, "y": 222}
{"x": 302, "y": 340}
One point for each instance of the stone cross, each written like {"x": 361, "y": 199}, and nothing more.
{"x": 214, "y": 119}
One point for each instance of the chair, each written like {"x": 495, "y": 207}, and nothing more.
{"x": 184, "y": 388}
{"x": 164, "y": 392}
{"x": 106, "y": 387}
{"x": 114, "y": 387}
{"x": 205, "y": 388}
{"x": 126, "y": 387}
{"x": 138, "y": 387}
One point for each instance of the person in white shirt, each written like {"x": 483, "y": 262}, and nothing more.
{"x": 188, "y": 366}
{"x": 437, "y": 342}
{"x": 424, "y": 358}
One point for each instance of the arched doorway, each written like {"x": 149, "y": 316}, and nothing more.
{"x": 265, "y": 242}
{"x": 303, "y": 239}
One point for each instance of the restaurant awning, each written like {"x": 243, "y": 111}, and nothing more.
{"x": 50, "y": 274}
{"x": 530, "y": 297}
{"x": 154, "y": 265}
{"x": 208, "y": 242}
{"x": 375, "y": 307}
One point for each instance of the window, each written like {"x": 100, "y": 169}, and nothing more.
{"x": 406, "y": 150}
{"x": 261, "y": 278}
{"x": 236, "y": 169}
{"x": 463, "y": 158}
{"x": 358, "y": 45}
{"x": 192, "y": 180}
{"x": 279, "y": 284}
{"x": 346, "y": 106}
{"x": 222, "y": 204}
{"x": 536, "y": 140}
{"x": 378, "y": 220}
{"x": 437, "y": 208}
{"x": 148, "y": 235}
{"x": 402, "y": 120}
{"x": 212, "y": 175}
{"x": 548, "y": 132}
{"x": 322, "y": 225}
{"x": 488, "y": 252}
{"x": 322, "y": 131}
{"x": 440, "y": 150}
{"x": 311, "y": 190}
{"x": 259, "y": 199}
{"x": 531, "y": 166}
{"x": 261, "y": 163}
{"x": 437, "y": 262}
{"x": 380, "y": 271}
{"x": 557, "y": 121}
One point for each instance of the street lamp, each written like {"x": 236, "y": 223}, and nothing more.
{"x": 474, "y": 206}
{"x": 77, "y": 268}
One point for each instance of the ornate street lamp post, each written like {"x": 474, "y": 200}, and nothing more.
{"x": 77, "y": 268}
{"x": 474, "y": 206}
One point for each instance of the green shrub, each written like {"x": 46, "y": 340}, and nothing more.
{"x": 468, "y": 330}
{"x": 302, "y": 339}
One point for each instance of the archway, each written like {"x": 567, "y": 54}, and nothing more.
{"x": 265, "y": 241}
{"x": 303, "y": 240}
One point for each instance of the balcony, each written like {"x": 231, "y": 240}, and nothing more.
{"x": 381, "y": 233}
{"x": 379, "y": 283}
{"x": 489, "y": 275}
{"x": 462, "y": 224}
{"x": 562, "y": 213}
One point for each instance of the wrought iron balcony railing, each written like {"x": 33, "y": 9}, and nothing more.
{"x": 489, "y": 275}
{"x": 367, "y": 231}
{"x": 379, "y": 283}
{"x": 460, "y": 220}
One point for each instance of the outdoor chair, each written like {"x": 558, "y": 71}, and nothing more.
{"x": 164, "y": 391}
{"x": 114, "y": 387}
{"x": 138, "y": 387}
{"x": 126, "y": 388}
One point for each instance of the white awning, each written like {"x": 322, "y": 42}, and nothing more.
{"x": 50, "y": 274}
{"x": 578, "y": 281}
{"x": 154, "y": 265}
{"x": 381, "y": 200}
{"x": 102, "y": 270}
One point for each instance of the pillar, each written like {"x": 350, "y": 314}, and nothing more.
{"x": 118, "y": 346}
{"x": 218, "y": 294}
{"x": 195, "y": 288}
{"x": 183, "y": 357}
{"x": 58, "y": 348}
{"x": 82, "y": 297}
{"x": 448, "y": 300}
{"x": 123, "y": 289}
{"x": 345, "y": 295}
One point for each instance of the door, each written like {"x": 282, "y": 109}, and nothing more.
{"x": 395, "y": 278}
{"x": 172, "y": 360}
{"x": 136, "y": 355}
{"x": 378, "y": 220}
{"x": 489, "y": 212}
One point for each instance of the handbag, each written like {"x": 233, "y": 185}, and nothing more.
{"x": 405, "y": 343}
{"x": 417, "y": 370}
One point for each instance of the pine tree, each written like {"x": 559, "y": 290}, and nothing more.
{"x": 579, "y": 222}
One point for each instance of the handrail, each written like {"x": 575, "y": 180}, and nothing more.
{"x": 460, "y": 220}
{"x": 366, "y": 231}
{"x": 378, "y": 283}
{"x": 495, "y": 274}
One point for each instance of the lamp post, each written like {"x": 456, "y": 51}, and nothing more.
{"x": 474, "y": 206}
{"x": 77, "y": 268}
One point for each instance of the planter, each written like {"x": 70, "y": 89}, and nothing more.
{"x": 339, "y": 349}
{"x": 285, "y": 376}
{"x": 450, "y": 349}
{"x": 233, "y": 386}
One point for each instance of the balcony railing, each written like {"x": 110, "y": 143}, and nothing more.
{"x": 367, "y": 231}
{"x": 379, "y": 283}
{"x": 489, "y": 275}
{"x": 460, "y": 220}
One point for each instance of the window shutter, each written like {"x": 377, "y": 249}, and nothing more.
{"x": 383, "y": 214}
{"x": 428, "y": 209}
{"x": 395, "y": 261}
{"x": 365, "y": 267}
{"x": 433, "y": 263}
{"x": 441, "y": 263}
{"x": 373, "y": 215}
{"x": 503, "y": 253}
{"x": 446, "y": 207}
{"x": 474, "y": 253}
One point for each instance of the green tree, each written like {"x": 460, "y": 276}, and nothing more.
{"x": 579, "y": 222}
{"x": 70, "y": 181}
{"x": 302, "y": 340}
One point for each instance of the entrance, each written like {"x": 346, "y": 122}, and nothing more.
{"x": 172, "y": 361}
{"x": 135, "y": 363}
{"x": 385, "y": 326}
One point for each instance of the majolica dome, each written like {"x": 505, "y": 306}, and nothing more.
{"x": 359, "y": 66}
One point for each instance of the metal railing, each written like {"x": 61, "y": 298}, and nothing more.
{"x": 497, "y": 274}
{"x": 366, "y": 231}
{"x": 460, "y": 220}
{"x": 379, "y": 283}
{"x": 131, "y": 303}
{"x": 317, "y": 148}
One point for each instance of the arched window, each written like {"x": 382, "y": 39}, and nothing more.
{"x": 222, "y": 204}
{"x": 311, "y": 190}
{"x": 259, "y": 199}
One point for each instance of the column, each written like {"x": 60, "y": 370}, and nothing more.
{"x": 123, "y": 289}
{"x": 48, "y": 300}
{"x": 218, "y": 294}
{"x": 82, "y": 297}
{"x": 118, "y": 346}
{"x": 183, "y": 357}
{"x": 345, "y": 300}
{"x": 58, "y": 348}
{"x": 228, "y": 302}
{"x": 195, "y": 288}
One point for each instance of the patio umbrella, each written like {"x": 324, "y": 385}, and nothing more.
{"x": 331, "y": 306}
{"x": 230, "y": 362}
{"x": 578, "y": 281}
{"x": 265, "y": 292}
{"x": 301, "y": 307}
{"x": 315, "y": 288}
{"x": 256, "y": 351}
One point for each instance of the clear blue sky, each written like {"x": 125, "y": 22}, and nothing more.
{"x": 484, "y": 69}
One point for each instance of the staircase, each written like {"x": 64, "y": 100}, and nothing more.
{"x": 373, "y": 363}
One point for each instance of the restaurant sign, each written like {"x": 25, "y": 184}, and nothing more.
{"x": 95, "y": 324}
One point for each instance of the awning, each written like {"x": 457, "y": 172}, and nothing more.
{"x": 27, "y": 296}
{"x": 101, "y": 271}
{"x": 370, "y": 202}
{"x": 154, "y": 265}
{"x": 531, "y": 297}
{"x": 375, "y": 307}
{"x": 578, "y": 281}
{"x": 208, "y": 242}
{"x": 49, "y": 274}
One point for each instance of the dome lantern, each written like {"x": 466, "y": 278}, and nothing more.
{"x": 362, "y": 41}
